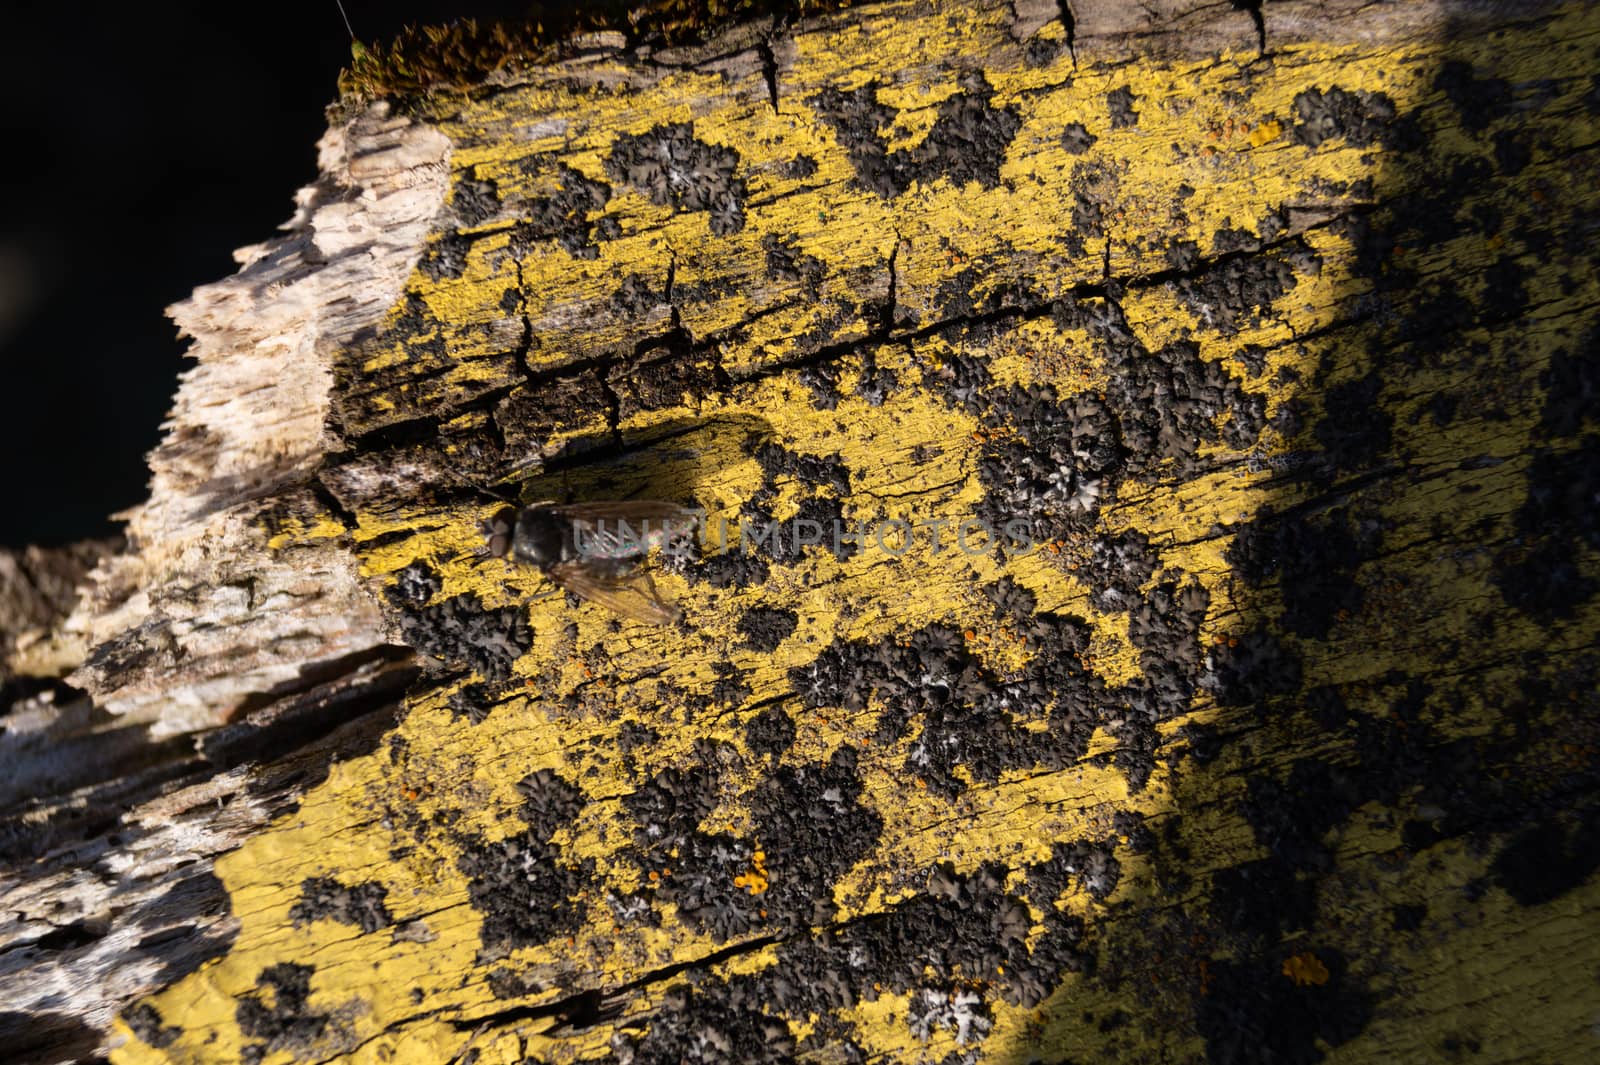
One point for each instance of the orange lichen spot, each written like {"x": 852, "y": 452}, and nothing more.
{"x": 756, "y": 880}
{"x": 1305, "y": 969}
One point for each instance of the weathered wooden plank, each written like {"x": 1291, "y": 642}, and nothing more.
{"x": 1278, "y": 745}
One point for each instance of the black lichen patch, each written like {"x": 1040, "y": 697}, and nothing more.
{"x": 820, "y": 471}
{"x": 635, "y": 735}
{"x": 1314, "y": 560}
{"x": 1042, "y": 51}
{"x": 145, "y": 1022}
{"x": 1558, "y": 520}
{"x": 963, "y": 379}
{"x": 549, "y": 803}
{"x": 324, "y": 898}
{"x": 635, "y": 296}
{"x": 673, "y": 168}
{"x": 704, "y": 874}
{"x": 1545, "y": 861}
{"x": 1252, "y": 668}
{"x": 1010, "y": 599}
{"x": 963, "y": 926}
{"x": 724, "y": 1024}
{"x": 799, "y": 168}
{"x": 730, "y": 687}
{"x": 784, "y": 542}
{"x": 1048, "y": 463}
{"x": 1572, "y": 387}
{"x": 463, "y": 633}
{"x": 1354, "y": 429}
{"x": 1076, "y": 139}
{"x": 1543, "y": 582}
{"x": 1291, "y": 817}
{"x": 1436, "y": 317}
{"x": 1236, "y": 291}
{"x": 770, "y": 732}
{"x": 814, "y": 828}
{"x": 787, "y": 263}
{"x": 733, "y": 568}
{"x": 672, "y": 371}
{"x": 875, "y": 382}
{"x": 1170, "y": 403}
{"x": 523, "y": 887}
{"x": 1362, "y": 119}
{"x": 1117, "y": 568}
{"x": 530, "y": 417}
{"x": 476, "y": 200}
{"x": 1051, "y": 458}
{"x": 1408, "y": 917}
{"x": 415, "y": 585}
{"x": 1259, "y": 901}
{"x": 473, "y": 702}
{"x": 764, "y": 628}
{"x": 970, "y": 718}
{"x": 763, "y": 540}
{"x": 277, "y": 1012}
{"x": 1090, "y": 865}
{"x": 960, "y": 1011}
{"x": 1478, "y": 101}
{"x": 1512, "y": 154}
{"x": 956, "y": 948}
{"x": 1119, "y": 102}
{"x": 1253, "y": 357}
{"x": 967, "y": 142}
{"x": 823, "y": 384}
{"x": 565, "y": 217}
{"x": 446, "y": 257}
{"x": 1165, "y": 628}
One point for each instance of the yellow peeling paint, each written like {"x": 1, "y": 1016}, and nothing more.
{"x": 1210, "y": 151}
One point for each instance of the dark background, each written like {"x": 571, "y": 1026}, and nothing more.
{"x": 143, "y": 143}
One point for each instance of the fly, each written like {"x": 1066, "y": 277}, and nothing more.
{"x": 595, "y": 551}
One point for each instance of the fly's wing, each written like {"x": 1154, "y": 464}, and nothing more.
{"x": 655, "y": 512}
{"x": 633, "y": 595}
{"x": 626, "y": 528}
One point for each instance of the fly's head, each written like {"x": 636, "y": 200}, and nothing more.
{"x": 498, "y": 530}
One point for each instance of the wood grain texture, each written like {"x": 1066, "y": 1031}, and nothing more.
{"x": 1277, "y": 742}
